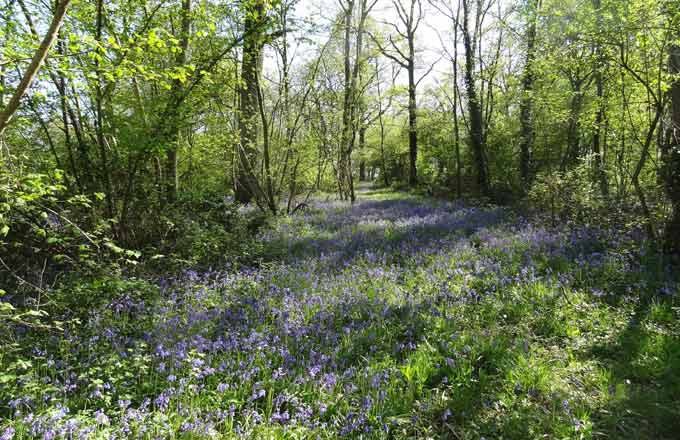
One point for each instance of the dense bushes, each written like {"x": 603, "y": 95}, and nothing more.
{"x": 571, "y": 197}
{"x": 208, "y": 230}
{"x": 46, "y": 233}
{"x": 39, "y": 241}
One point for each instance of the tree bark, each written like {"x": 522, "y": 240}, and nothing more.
{"x": 381, "y": 123}
{"x": 574, "y": 130}
{"x": 671, "y": 156}
{"x": 474, "y": 107}
{"x": 362, "y": 144}
{"x": 350, "y": 98}
{"x": 456, "y": 92}
{"x": 99, "y": 118}
{"x": 245, "y": 187}
{"x": 271, "y": 199}
{"x": 344, "y": 170}
{"x": 600, "y": 172}
{"x": 527, "y": 100}
{"x": 412, "y": 109}
{"x": 171, "y": 175}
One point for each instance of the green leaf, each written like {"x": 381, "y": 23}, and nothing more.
{"x": 6, "y": 307}
{"x": 116, "y": 249}
{"x": 4, "y": 378}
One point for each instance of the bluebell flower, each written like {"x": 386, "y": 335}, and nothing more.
{"x": 8, "y": 433}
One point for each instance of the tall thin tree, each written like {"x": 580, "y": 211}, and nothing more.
{"x": 474, "y": 107}
{"x": 410, "y": 16}
{"x": 527, "y": 99}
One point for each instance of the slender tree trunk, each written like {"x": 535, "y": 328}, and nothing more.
{"x": 574, "y": 130}
{"x": 456, "y": 92}
{"x": 37, "y": 61}
{"x": 63, "y": 105}
{"x": 600, "y": 172}
{"x": 635, "y": 178}
{"x": 598, "y": 157}
{"x": 343, "y": 165}
{"x": 671, "y": 155}
{"x": 266, "y": 163}
{"x": 383, "y": 158}
{"x": 381, "y": 123}
{"x": 61, "y": 84}
{"x": 7, "y": 12}
{"x": 171, "y": 175}
{"x": 527, "y": 101}
{"x": 351, "y": 75}
{"x": 362, "y": 144}
{"x": 99, "y": 119}
{"x": 412, "y": 109}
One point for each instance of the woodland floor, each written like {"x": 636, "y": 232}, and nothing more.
{"x": 397, "y": 317}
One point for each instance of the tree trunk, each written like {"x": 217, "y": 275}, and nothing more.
{"x": 574, "y": 130}
{"x": 474, "y": 108}
{"x": 173, "y": 126}
{"x": 36, "y": 62}
{"x": 7, "y": 12}
{"x": 527, "y": 101}
{"x": 600, "y": 172}
{"x": 671, "y": 157}
{"x": 351, "y": 72}
{"x": 271, "y": 199}
{"x": 412, "y": 129}
{"x": 344, "y": 170}
{"x": 99, "y": 120}
{"x": 246, "y": 184}
{"x": 362, "y": 144}
{"x": 456, "y": 129}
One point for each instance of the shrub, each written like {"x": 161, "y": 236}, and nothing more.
{"x": 570, "y": 197}
{"x": 210, "y": 230}
{"x": 39, "y": 241}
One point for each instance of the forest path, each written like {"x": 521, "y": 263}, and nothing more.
{"x": 382, "y": 225}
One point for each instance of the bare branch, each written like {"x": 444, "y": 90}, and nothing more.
{"x": 428, "y": 70}
{"x": 385, "y": 52}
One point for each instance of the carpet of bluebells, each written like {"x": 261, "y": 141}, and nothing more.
{"x": 397, "y": 317}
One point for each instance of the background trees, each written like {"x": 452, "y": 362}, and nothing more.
{"x": 144, "y": 105}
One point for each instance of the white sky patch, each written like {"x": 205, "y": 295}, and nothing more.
{"x": 434, "y": 37}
